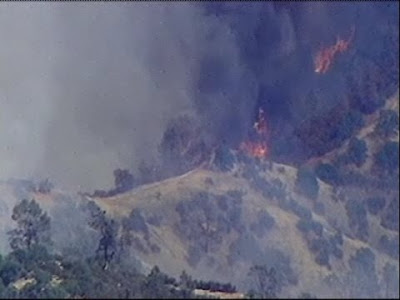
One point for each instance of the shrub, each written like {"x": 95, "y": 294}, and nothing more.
{"x": 307, "y": 183}
{"x": 45, "y": 186}
{"x": 352, "y": 121}
{"x": 388, "y": 122}
{"x": 224, "y": 159}
{"x": 390, "y": 219}
{"x": 388, "y": 157}
{"x": 357, "y": 215}
{"x": 375, "y": 204}
{"x": 328, "y": 173}
{"x": 319, "y": 208}
{"x": 10, "y": 271}
{"x": 363, "y": 271}
{"x": 389, "y": 246}
{"x": 123, "y": 180}
{"x": 366, "y": 104}
{"x": 357, "y": 152}
{"x": 136, "y": 222}
{"x": 320, "y": 246}
{"x": 264, "y": 223}
{"x": 299, "y": 210}
{"x": 310, "y": 225}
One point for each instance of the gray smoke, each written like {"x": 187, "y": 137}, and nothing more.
{"x": 86, "y": 88}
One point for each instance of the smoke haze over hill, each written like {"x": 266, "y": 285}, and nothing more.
{"x": 86, "y": 88}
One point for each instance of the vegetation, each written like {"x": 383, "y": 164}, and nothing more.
{"x": 357, "y": 215}
{"x": 307, "y": 183}
{"x": 33, "y": 270}
{"x": 205, "y": 219}
{"x": 375, "y": 204}
{"x": 224, "y": 159}
{"x": 328, "y": 173}
{"x": 389, "y": 246}
{"x": 357, "y": 152}
{"x": 45, "y": 186}
{"x": 263, "y": 223}
{"x": 33, "y": 226}
{"x": 266, "y": 282}
{"x": 390, "y": 219}
{"x": 123, "y": 182}
{"x": 387, "y": 158}
{"x": 362, "y": 278}
{"x": 351, "y": 122}
{"x": 388, "y": 123}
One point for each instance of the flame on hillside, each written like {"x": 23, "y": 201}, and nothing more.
{"x": 259, "y": 147}
{"x": 325, "y": 57}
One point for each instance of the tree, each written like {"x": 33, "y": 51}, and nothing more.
{"x": 388, "y": 123}
{"x": 351, "y": 122}
{"x": 33, "y": 226}
{"x": 357, "y": 152}
{"x": 45, "y": 186}
{"x": 391, "y": 281}
{"x": 224, "y": 159}
{"x": 328, "y": 173}
{"x": 375, "y": 204}
{"x": 108, "y": 230}
{"x": 388, "y": 157}
{"x": 265, "y": 280}
{"x": 123, "y": 180}
{"x": 307, "y": 183}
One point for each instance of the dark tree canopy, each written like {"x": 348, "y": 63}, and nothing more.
{"x": 33, "y": 225}
{"x": 107, "y": 229}
{"x": 388, "y": 122}
{"x": 266, "y": 282}
{"x": 123, "y": 180}
{"x": 357, "y": 152}
{"x": 388, "y": 157}
{"x": 307, "y": 183}
{"x": 328, "y": 173}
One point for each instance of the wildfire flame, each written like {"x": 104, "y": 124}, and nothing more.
{"x": 255, "y": 149}
{"x": 258, "y": 148}
{"x": 325, "y": 57}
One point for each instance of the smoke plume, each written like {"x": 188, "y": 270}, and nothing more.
{"x": 86, "y": 88}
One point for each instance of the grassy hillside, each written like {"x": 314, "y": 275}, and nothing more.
{"x": 328, "y": 231}
{"x": 282, "y": 244}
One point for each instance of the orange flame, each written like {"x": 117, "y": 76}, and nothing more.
{"x": 255, "y": 149}
{"x": 325, "y": 57}
{"x": 259, "y": 148}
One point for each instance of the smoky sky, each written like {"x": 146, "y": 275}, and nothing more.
{"x": 89, "y": 87}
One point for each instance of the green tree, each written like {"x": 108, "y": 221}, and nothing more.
{"x": 108, "y": 230}
{"x": 265, "y": 280}
{"x": 33, "y": 226}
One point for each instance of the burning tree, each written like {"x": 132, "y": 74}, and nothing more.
{"x": 257, "y": 147}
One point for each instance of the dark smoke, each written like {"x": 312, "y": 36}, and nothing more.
{"x": 87, "y": 88}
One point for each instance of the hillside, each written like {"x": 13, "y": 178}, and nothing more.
{"x": 317, "y": 233}
{"x": 216, "y": 225}
{"x": 248, "y": 239}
